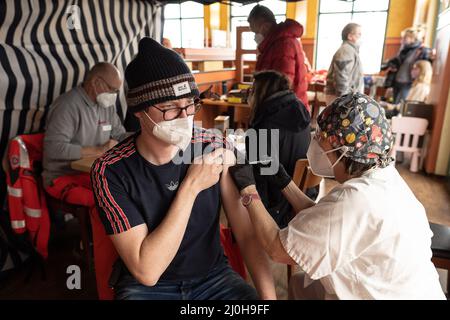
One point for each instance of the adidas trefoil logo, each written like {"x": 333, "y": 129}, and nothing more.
{"x": 172, "y": 186}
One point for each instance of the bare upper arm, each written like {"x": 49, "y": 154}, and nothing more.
{"x": 128, "y": 245}
{"x": 236, "y": 213}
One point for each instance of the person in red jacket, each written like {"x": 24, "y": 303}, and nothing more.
{"x": 279, "y": 49}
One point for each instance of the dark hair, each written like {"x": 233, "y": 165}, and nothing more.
{"x": 261, "y": 13}
{"x": 349, "y": 28}
{"x": 354, "y": 168}
{"x": 265, "y": 84}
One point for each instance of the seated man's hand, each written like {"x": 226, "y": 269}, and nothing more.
{"x": 205, "y": 170}
{"x": 242, "y": 175}
{"x": 280, "y": 180}
{"x": 97, "y": 151}
{"x": 109, "y": 144}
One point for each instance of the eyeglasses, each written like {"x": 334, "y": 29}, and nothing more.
{"x": 173, "y": 112}
{"x": 110, "y": 89}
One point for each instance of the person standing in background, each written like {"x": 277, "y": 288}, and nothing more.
{"x": 412, "y": 49}
{"x": 279, "y": 48}
{"x": 345, "y": 74}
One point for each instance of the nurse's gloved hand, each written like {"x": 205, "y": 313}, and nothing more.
{"x": 280, "y": 180}
{"x": 242, "y": 175}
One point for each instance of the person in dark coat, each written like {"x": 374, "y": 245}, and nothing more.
{"x": 399, "y": 68}
{"x": 276, "y": 107}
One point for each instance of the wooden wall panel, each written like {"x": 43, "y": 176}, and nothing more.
{"x": 439, "y": 92}
{"x": 309, "y": 47}
{"x": 391, "y": 47}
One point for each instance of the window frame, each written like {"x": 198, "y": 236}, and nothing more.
{"x": 351, "y": 12}
{"x": 181, "y": 18}
{"x": 230, "y": 17}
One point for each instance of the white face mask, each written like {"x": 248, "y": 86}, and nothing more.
{"x": 106, "y": 99}
{"x": 177, "y": 132}
{"x": 258, "y": 38}
{"x": 319, "y": 162}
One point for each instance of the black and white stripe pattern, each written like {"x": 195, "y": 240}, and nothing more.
{"x": 43, "y": 54}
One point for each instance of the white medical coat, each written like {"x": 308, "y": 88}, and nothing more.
{"x": 369, "y": 238}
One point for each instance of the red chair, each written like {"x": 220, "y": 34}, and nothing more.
{"x": 232, "y": 251}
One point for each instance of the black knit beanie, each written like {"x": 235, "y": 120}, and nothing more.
{"x": 157, "y": 75}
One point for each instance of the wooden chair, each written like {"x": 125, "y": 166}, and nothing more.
{"x": 303, "y": 176}
{"x": 440, "y": 246}
{"x": 379, "y": 93}
{"x": 304, "y": 179}
{"x": 318, "y": 102}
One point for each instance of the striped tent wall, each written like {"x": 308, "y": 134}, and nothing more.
{"x": 47, "y": 46}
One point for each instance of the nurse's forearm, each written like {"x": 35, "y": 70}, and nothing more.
{"x": 265, "y": 227}
{"x": 297, "y": 199}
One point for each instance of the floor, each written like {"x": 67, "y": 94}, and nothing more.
{"x": 432, "y": 191}
{"x": 64, "y": 251}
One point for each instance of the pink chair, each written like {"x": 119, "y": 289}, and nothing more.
{"x": 407, "y": 132}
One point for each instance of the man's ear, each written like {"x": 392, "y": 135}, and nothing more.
{"x": 138, "y": 114}
{"x": 96, "y": 82}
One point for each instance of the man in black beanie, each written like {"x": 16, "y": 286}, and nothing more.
{"x": 162, "y": 212}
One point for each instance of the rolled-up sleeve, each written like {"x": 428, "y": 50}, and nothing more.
{"x": 328, "y": 235}
{"x": 61, "y": 127}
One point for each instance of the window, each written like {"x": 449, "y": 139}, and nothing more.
{"x": 335, "y": 14}
{"x": 239, "y": 14}
{"x": 180, "y": 20}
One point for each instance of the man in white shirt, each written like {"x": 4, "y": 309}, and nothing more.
{"x": 369, "y": 238}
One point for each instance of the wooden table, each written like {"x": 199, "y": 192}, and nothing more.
{"x": 238, "y": 112}
{"x": 83, "y": 165}
{"x": 222, "y": 103}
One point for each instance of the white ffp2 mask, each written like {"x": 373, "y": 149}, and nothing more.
{"x": 106, "y": 99}
{"x": 177, "y": 132}
{"x": 258, "y": 38}
{"x": 318, "y": 159}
